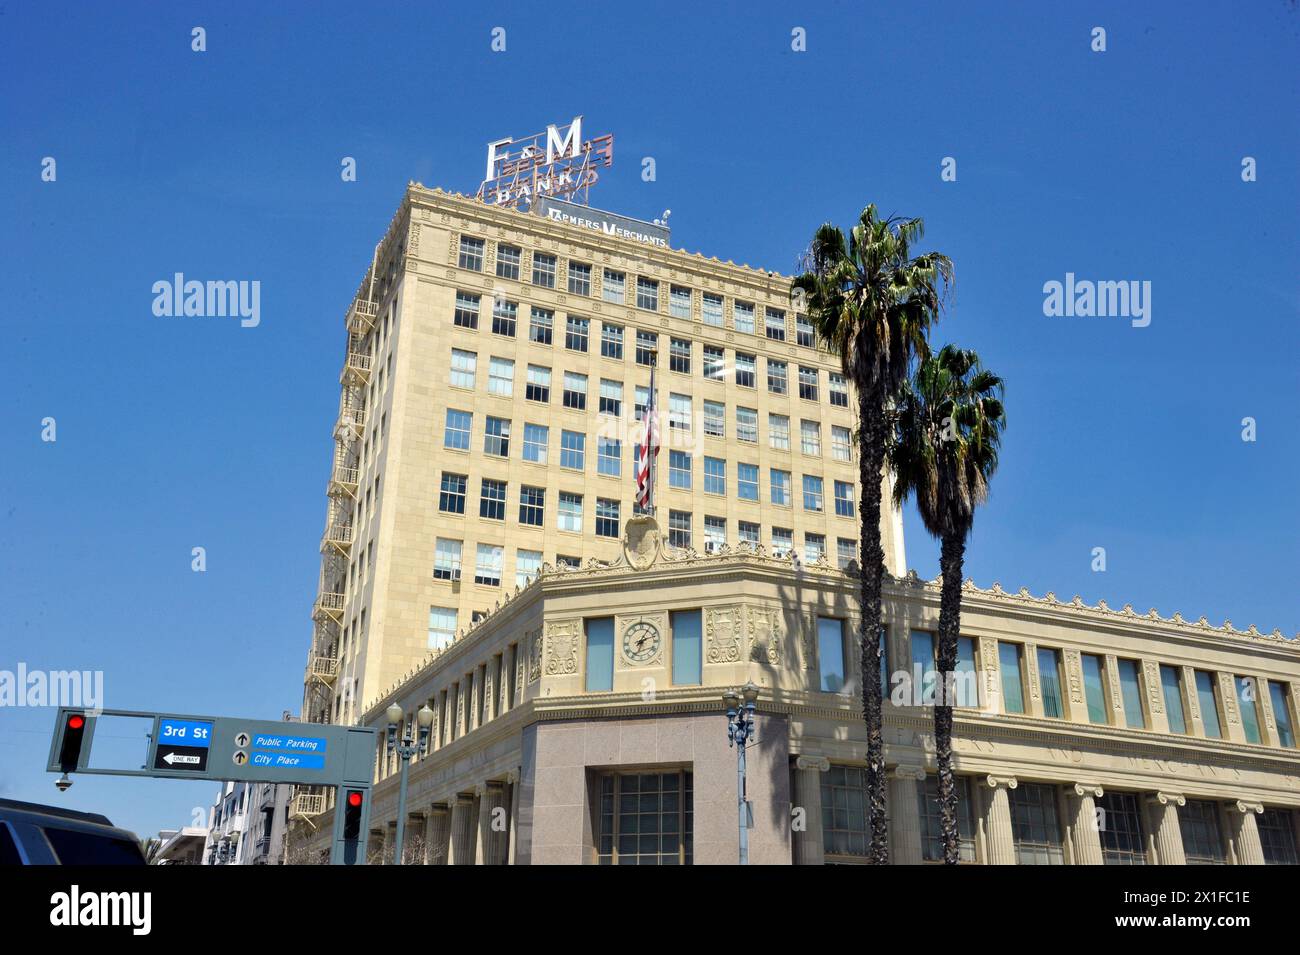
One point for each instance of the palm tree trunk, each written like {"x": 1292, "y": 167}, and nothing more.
{"x": 872, "y": 430}
{"x": 951, "y": 554}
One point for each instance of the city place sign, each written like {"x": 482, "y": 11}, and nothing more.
{"x": 558, "y": 163}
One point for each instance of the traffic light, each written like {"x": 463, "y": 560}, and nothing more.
{"x": 74, "y": 731}
{"x": 352, "y": 805}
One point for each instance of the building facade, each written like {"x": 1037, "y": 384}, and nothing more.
{"x": 247, "y": 825}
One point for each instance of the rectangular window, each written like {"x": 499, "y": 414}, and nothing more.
{"x": 810, "y": 437}
{"x": 1013, "y": 684}
{"x": 496, "y": 437}
{"x": 573, "y": 450}
{"x": 711, "y": 309}
{"x": 782, "y": 541}
{"x": 1208, "y": 698}
{"x": 508, "y": 259}
{"x": 1202, "y": 836}
{"x": 679, "y": 302}
{"x": 446, "y": 559}
{"x": 575, "y": 391}
{"x": 541, "y": 325}
{"x": 679, "y": 470}
{"x": 647, "y": 347}
{"x": 471, "y": 253}
{"x": 543, "y": 270}
{"x": 1035, "y": 825}
{"x": 778, "y": 431}
{"x": 679, "y": 356}
{"x": 570, "y": 512}
{"x": 967, "y": 689}
{"x": 579, "y": 278}
{"x": 1131, "y": 692}
{"x": 844, "y": 504}
{"x": 845, "y": 831}
{"x": 923, "y": 664}
{"x": 839, "y": 390}
{"x": 612, "y": 286}
{"x": 611, "y": 397}
{"x": 532, "y": 505}
{"x": 747, "y": 425}
{"x": 1049, "y": 682}
{"x": 536, "y": 439}
{"x": 576, "y": 331}
{"x": 640, "y": 399}
{"x": 803, "y": 330}
{"x": 442, "y": 627}
{"x": 715, "y": 533}
{"x": 501, "y": 377}
{"x": 814, "y": 547}
{"x": 1094, "y": 687}
{"x": 466, "y": 312}
{"x": 1172, "y": 686}
{"x": 774, "y": 324}
{"x": 600, "y": 654}
{"x": 747, "y": 482}
{"x": 456, "y": 434}
{"x": 714, "y": 362}
{"x": 1247, "y": 694}
{"x": 647, "y": 294}
{"x": 927, "y": 800}
{"x": 487, "y": 568}
{"x": 645, "y": 819}
{"x": 1123, "y": 841}
{"x": 679, "y": 412}
{"x": 527, "y": 565}
{"x": 538, "y": 387}
{"x": 747, "y": 531}
{"x": 780, "y": 481}
{"x": 715, "y": 476}
{"x": 846, "y": 552}
{"x": 812, "y": 493}
{"x": 778, "y": 377}
{"x": 687, "y": 637}
{"x": 505, "y": 317}
{"x": 1280, "y": 698}
{"x": 492, "y": 500}
{"x": 841, "y": 443}
{"x": 679, "y": 528}
{"x": 807, "y": 383}
{"x": 451, "y": 499}
{"x": 743, "y": 316}
{"x": 606, "y": 517}
{"x": 1277, "y": 837}
{"x": 830, "y": 653}
{"x": 715, "y": 419}
{"x": 464, "y": 366}
{"x": 609, "y": 456}
{"x": 611, "y": 341}
{"x": 746, "y": 369}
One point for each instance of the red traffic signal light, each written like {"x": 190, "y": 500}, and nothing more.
{"x": 352, "y": 805}
{"x": 354, "y": 799}
{"x": 74, "y": 732}
{"x": 76, "y": 721}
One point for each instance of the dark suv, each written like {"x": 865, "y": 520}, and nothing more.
{"x": 31, "y": 834}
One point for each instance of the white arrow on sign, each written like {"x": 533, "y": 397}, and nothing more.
{"x": 171, "y": 758}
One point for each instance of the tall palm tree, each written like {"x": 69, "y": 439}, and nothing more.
{"x": 948, "y": 428}
{"x": 872, "y": 302}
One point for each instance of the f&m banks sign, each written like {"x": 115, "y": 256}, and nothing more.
{"x": 607, "y": 223}
{"x": 557, "y": 162}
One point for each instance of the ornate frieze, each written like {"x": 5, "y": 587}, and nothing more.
{"x": 1116, "y": 695}
{"x": 1151, "y": 670}
{"x": 766, "y": 635}
{"x": 723, "y": 634}
{"x": 534, "y": 656}
{"x": 1031, "y": 667}
{"x": 562, "y": 648}
{"x": 1228, "y": 694}
{"x": 1074, "y": 675}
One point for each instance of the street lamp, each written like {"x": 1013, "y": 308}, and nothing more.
{"x": 740, "y": 727}
{"x": 405, "y": 749}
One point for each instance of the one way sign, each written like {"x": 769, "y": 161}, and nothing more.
{"x": 194, "y": 758}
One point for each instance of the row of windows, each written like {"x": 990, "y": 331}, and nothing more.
{"x": 1038, "y": 834}
{"x": 614, "y": 288}
{"x": 577, "y": 337}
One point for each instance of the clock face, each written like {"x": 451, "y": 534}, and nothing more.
{"x": 641, "y": 642}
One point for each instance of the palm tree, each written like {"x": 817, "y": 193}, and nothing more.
{"x": 948, "y": 427}
{"x": 872, "y": 302}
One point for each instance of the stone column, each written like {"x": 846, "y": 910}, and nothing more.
{"x": 809, "y": 847}
{"x": 375, "y": 847}
{"x": 1245, "y": 832}
{"x": 493, "y": 824}
{"x": 513, "y": 834}
{"x": 438, "y": 833}
{"x": 905, "y": 815}
{"x": 463, "y": 830}
{"x": 417, "y": 846}
{"x": 1163, "y": 810}
{"x": 997, "y": 820}
{"x": 1084, "y": 826}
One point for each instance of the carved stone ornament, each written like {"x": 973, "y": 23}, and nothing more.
{"x": 562, "y": 648}
{"x": 765, "y": 634}
{"x": 723, "y": 632}
{"x": 535, "y": 656}
{"x": 642, "y": 542}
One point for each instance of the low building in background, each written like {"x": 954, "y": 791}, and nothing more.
{"x": 180, "y": 846}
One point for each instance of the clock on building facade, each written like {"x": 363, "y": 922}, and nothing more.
{"x": 641, "y": 642}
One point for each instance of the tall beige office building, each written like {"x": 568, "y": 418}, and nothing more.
{"x": 498, "y": 363}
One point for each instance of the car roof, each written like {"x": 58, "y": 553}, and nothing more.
{"x": 38, "y": 814}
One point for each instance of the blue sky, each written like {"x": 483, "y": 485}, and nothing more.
{"x": 176, "y": 433}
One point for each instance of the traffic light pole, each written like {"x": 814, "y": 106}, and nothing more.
{"x": 350, "y": 848}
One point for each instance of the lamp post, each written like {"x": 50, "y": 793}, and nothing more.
{"x": 405, "y": 749}
{"x": 740, "y": 727}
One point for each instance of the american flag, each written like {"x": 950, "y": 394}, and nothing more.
{"x": 647, "y": 450}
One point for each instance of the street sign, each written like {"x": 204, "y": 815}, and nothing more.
{"x": 182, "y": 745}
